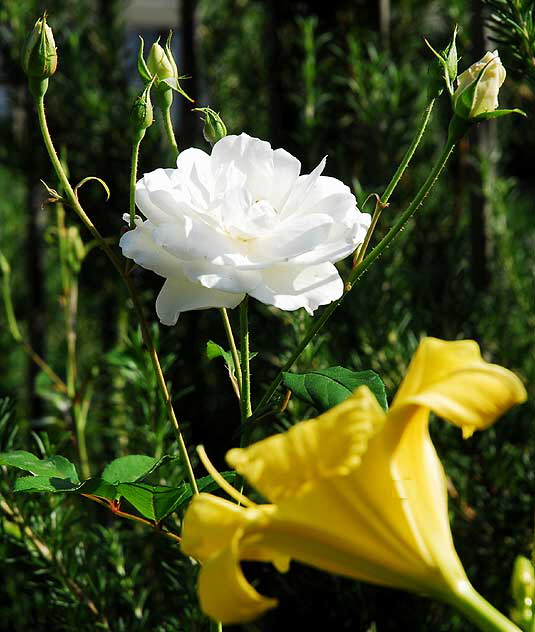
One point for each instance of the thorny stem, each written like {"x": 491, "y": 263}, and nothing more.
{"x": 361, "y": 268}
{"x": 233, "y": 349}
{"x": 133, "y": 178}
{"x": 409, "y": 153}
{"x": 44, "y": 551}
{"x": 147, "y": 338}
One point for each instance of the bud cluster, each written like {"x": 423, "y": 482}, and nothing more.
{"x": 161, "y": 68}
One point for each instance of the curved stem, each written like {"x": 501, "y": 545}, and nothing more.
{"x": 245, "y": 393}
{"x": 232, "y": 345}
{"x": 168, "y": 124}
{"x": 359, "y": 270}
{"x": 147, "y": 338}
{"x": 480, "y": 612}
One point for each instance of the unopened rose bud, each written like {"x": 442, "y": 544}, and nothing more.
{"x": 39, "y": 56}
{"x": 142, "y": 115}
{"x": 214, "y": 129}
{"x": 478, "y": 87}
{"x": 159, "y": 63}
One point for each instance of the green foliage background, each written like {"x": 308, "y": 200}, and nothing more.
{"x": 317, "y": 80}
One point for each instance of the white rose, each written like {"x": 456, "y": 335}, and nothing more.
{"x": 243, "y": 221}
{"x": 485, "y": 96}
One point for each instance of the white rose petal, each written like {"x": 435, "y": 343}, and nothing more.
{"x": 243, "y": 221}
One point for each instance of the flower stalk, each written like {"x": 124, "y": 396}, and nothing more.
{"x": 480, "y": 612}
{"x": 147, "y": 337}
{"x": 376, "y": 252}
{"x": 409, "y": 153}
{"x": 168, "y": 124}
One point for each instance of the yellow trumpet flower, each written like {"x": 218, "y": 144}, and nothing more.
{"x": 355, "y": 491}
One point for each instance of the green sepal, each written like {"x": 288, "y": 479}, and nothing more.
{"x": 443, "y": 69}
{"x": 497, "y": 114}
{"x": 141, "y": 64}
{"x": 452, "y": 59}
{"x": 174, "y": 84}
{"x": 464, "y": 102}
{"x": 169, "y": 53}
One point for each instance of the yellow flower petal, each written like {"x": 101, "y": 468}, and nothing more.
{"x": 209, "y": 525}
{"x": 357, "y": 492}
{"x": 453, "y": 380}
{"x": 385, "y": 522}
{"x": 224, "y": 592}
{"x": 285, "y": 465}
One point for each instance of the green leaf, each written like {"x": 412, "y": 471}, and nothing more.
{"x": 207, "y": 483}
{"x": 141, "y": 64}
{"x": 152, "y": 501}
{"x": 213, "y": 350}
{"x": 95, "y": 487}
{"x": 44, "y": 484}
{"x": 53, "y": 467}
{"x": 132, "y": 468}
{"x": 328, "y": 387}
{"x": 204, "y": 484}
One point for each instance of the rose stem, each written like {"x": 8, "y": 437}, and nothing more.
{"x": 362, "y": 267}
{"x": 246, "y": 374}
{"x": 133, "y": 178}
{"x": 169, "y": 130}
{"x": 147, "y": 338}
{"x": 233, "y": 349}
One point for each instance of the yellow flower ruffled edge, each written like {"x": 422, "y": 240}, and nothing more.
{"x": 355, "y": 491}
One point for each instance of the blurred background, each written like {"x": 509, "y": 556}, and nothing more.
{"x": 343, "y": 78}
